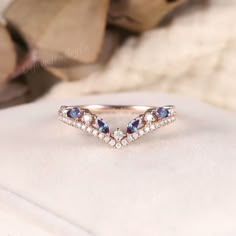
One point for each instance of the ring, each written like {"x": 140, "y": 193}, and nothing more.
{"x": 149, "y": 119}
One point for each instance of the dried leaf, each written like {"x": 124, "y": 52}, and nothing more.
{"x": 69, "y": 70}
{"x": 73, "y": 29}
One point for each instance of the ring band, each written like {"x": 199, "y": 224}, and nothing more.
{"x": 85, "y": 118}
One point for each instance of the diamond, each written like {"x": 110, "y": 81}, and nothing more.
{"x": 95, "y": 132}
{"x": 130, "y": 139}
{"x": 83, "y": 127}
{"x": 118, "y": 145}
{"x": 124, "y": 142}
{"x": 152, "y": 127}
{"x": 146, "y": 129}
{"x": 78, "y": 125}
{"x": 112, "y": 142}
{"x": 162, "y": 112}
{"x": 87, "y": 118}
{"x": 102, "y": 126}
{"x": 106, "y": 139}
{"x": 118, "y": 135}
{"x": 172, "y": 111}
{"x": 135, "y": 135}
{"x": 141, "y": 132}
{"x": 101, "y": 135}
{"x": 74, "y": 113}
{"x": 148, "y": 117}
{"x": 90, "y": 130}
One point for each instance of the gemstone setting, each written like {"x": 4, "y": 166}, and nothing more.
{"x": 87, "y": 118}
{"x": 133, "y": 126}
{"x": 162, "y": 112}
{"x": 102, "y": 126}
{"x": 118, "y": 135}
{"x": 74, "y": 113}
{"x": 148, "y": 117}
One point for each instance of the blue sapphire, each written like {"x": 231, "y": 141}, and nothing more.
{"x": 133, "y": 126}
{"x": 102, "y": 126}
{"x": 74, "y": 113}
{"x": 162, "y": 112}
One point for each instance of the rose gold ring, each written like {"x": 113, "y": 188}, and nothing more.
{"x": 149, "y": 119}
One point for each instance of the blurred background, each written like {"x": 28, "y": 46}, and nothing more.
{"x": 60, "y": 49}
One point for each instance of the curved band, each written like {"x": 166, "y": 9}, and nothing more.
{"x": 85, "y": 117}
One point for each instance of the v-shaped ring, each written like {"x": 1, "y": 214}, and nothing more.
{"x": 150, "y": 119}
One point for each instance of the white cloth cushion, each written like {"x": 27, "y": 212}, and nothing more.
{"x": 177, "y": 181}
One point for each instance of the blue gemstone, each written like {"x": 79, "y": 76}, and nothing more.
{"x": 74, "y": 113}
{"x": 102, "y": 126}
{"x": 162, "y": 112}
{"x": 133, "y": 126}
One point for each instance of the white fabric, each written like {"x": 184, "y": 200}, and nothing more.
{"x": 195, "y": 55}
{"x": 178, "y": 181}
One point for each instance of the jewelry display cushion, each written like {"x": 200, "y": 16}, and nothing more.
{"x": 179, "y": 180}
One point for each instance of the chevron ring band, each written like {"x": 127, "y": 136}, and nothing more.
{"x": 85, "y": 118}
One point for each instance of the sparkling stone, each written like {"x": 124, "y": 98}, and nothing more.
{"x": 118, "y": 135}
{"x": 83, "y": 127}
{"x": 112, "y": 142}
{"x": 118, "y": 145}
{"x": 102, "y": 126}
{"x": 124, "y": 142}
{"x": 141, "y": 132}
{"x": 130, "y": 139}
{"x": 162, "y": 112}
{"x": 78, "y": 125}
{"x": 173, "y": 118}
{"x": 87, "y": 118}
{"x": 95, "y": 132}
{"x": 153, "y": 127}
{"x": 74, "y": 113}
{"x": 90, "y": 130}
{"x": 135, "y": 135}
{"x": 148, "y": 117}
{"x": 107, "y": 139}
{"x": 133, "y": 126}
{"x": 172, "y": 111}
{"x": 63, "y": 110}
{"x": 101, "y": 135}
{"x": 146, "y": 129}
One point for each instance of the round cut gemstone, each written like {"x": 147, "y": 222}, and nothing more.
{"x": 118, "y": 135}
{"x": 87, "y": 118}
{"x": 148, "y": 117}
{"x": 74, "y": 113}
{"x": 133, "y": 126}
{"x": 102, "y": 126}
{"x": 162, "y": 112}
